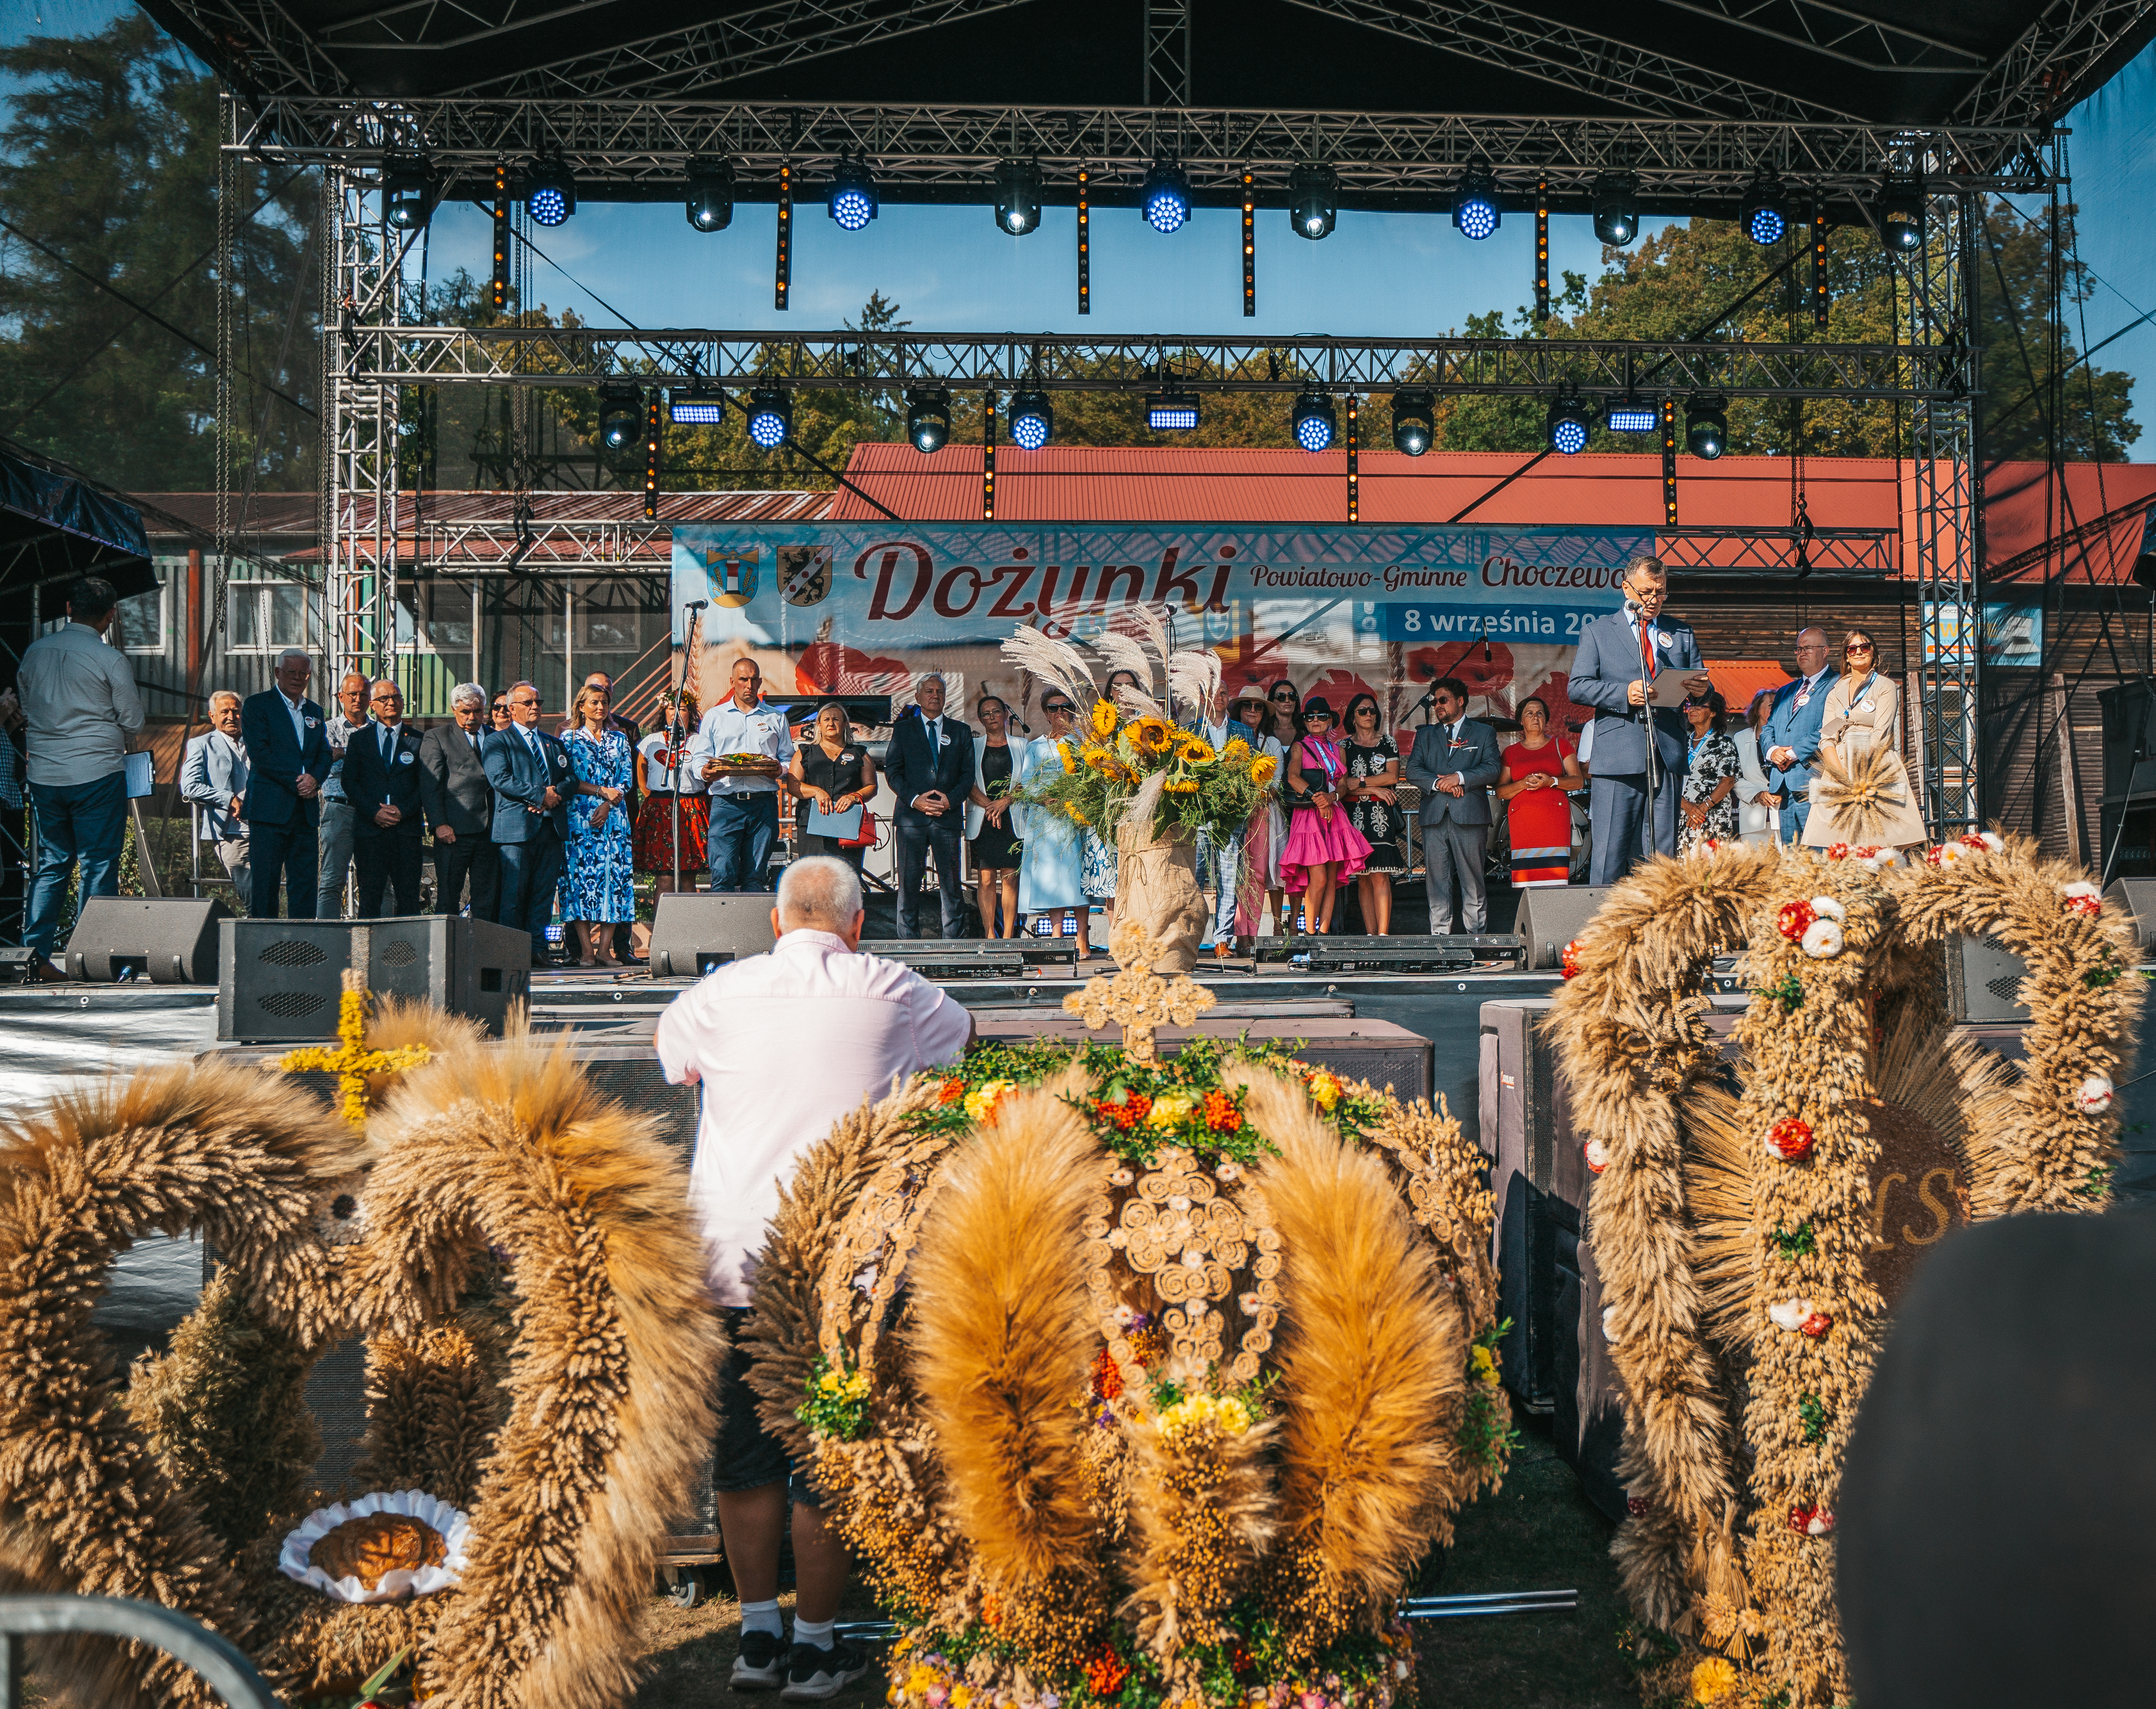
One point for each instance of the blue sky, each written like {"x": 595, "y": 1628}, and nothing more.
{"x": 949, "y": 270}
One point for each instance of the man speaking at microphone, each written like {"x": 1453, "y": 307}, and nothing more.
{"x": 1620, "y": 657}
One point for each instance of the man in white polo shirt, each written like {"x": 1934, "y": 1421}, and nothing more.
{"x": 744, "y": 810}
{"x": 784, "y": 1046}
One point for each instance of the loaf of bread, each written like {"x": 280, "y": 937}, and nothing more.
{"x": 375, "y": 1544}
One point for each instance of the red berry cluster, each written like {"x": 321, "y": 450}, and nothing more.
{"x": 1107, "y": 1377}
{"x": 1134, "y": 1108}
{"x": 1572, "y": 959}
{"x": 1106, "y": 1672}
{"x": 1817, "y": 1324}
{"x": 951, "y": 1091}
{"x": 1223, "y": 1114}
{"x": 1790, "y": 1138}
{"x": 1795, "y": 919}
{"x": 1638, "y": 1506}
{"x": 1837, "y": 851}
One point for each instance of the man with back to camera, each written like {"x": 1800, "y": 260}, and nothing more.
{"x": 457, "y": 801}
{"x": 213, "y": 777}
{"x": 744, "y": 821}
{"x": 336, "y": 824}
{"x": 288, "y": 756}
{"x": 783, "y": 1045}
{"x": 930, "y": 764}
{"x": 1789, "y": 741}
{"x": 530, "y": 772}
{"x": 382, "y": 782}
{"x": 1614, "y": 671}
{"x": 78, "y": 693}
{"x": 1453, "y": 762}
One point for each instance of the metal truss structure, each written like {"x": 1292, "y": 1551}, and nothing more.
{"x": 1384, "y": 161}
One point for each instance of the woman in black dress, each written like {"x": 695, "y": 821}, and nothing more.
{"x": 832, "y": 772}
{"x": 996, "y": 847}
{"x": 1373, "y": 775}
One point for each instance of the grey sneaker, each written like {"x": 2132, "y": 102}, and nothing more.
{"x": 813, "y": 1675}
{"x": 759, "y": 1664}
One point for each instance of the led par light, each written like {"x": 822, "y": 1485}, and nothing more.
{"x": 1313, "y": 199}
{"x": 770, "y": 417}
{"x": 697, "y": 406}
{"x": 1571, "y": 417}
{"x": 851, "y": 199}
{"x": 1475, "y": 211}
{"x": 1706, "y": 427}
{"x": 928, "y": 419}
{"x": 1414, "y": 422}
{"x": 1765, "y": 215}
{"x": 1632, "y": 416}
{"x": 1313, "y": 421}
{"x": 710, "y": 194}
{"x": 1616, "y": 208}
{"x": 1017, "y": 197}
{"x": 1172, "y": 409}
{"x": 550, "y": 192}
{"x": 1166, "y": 196}
{"x": 1032, "y": 422}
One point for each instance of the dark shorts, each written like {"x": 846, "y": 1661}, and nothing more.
{"x": 747, "y": 1456}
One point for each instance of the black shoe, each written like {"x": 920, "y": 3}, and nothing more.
{"x": 813, "y": 1675}
{"x": 759, "y": 1663}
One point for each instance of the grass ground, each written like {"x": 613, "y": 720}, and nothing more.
{"x": 1538, "y": 1533}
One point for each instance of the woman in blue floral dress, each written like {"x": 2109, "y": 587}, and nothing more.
{"x": 600, "y": 889}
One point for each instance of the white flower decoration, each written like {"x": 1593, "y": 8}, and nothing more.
{"x": 865, "y": 1281}
{"x": 1121, "y": 1177}
{"x": 1228, "y": 1170}
{"x": 1178, "y": 1202}
{"x": 1822, "y": 939}
{"x": 2094, "y": 1096}
{"x": 1609, "y": 1329}
{"x": 414, "y": 1504}
{"x": 1993, "y": 842}
{"x": 1117, "y": 1238}
{"x": 1193, "y": 1258}
{"x": 1597, "y": 1154}
{"x": 1826, "y": 908}
{"x": 1790, "y": 1314}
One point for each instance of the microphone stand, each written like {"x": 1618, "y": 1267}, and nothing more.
{"x": 677, "y": 734}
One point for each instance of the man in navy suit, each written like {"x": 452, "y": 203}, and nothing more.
{"x": 530, "y": 772}
{"x": 1614, "y": 671}
{"x": 288, "y": 756}
{"x": 382, "y": 782}
{"x": 1790, "y": 745}
{"x": 930, "y": 767}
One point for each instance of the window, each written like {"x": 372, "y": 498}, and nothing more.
{"x": 138, "y": 623}
{"x": 260, "y": 615}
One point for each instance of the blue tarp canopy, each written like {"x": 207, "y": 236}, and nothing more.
{"x": 54, "y": 527}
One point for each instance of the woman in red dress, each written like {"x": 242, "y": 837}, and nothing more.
{"x": 656, "y": 818}
{"x": 1533, "y": 778}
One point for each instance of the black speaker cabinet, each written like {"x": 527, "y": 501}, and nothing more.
{"x": 281, "y": 979}
{"x": 171, "y": 940}
{"x": 692, "y": 934}
{"x": 1551, "y": 919}
{"x": 1983, "y": 980}
{"x": 2135, "y": 898}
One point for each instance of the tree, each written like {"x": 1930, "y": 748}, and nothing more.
{"x": 109, "y": 161}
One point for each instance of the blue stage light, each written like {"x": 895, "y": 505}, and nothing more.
{"x": 549, "y": 193}
{"x": 1032, "y": 422}
{"x": 1632, "y": 416}
{"x": 1765, "y": 215}
{"x": 1475, "y": 211}
{"x": 1570, "y": 417}
{"x": 696, "y": 406}
{"x": 1313, "y": 421}
{"x": 770, "y": 417}
{"x": 852, "y": 198}
{"x": 1171, "y": 411}
{"x": 1165, "y": 197}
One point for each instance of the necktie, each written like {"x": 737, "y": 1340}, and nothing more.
{"x": 388, "y": 743}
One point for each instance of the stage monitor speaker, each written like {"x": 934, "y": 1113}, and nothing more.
{"x": 170, "y": 940}
{"x": 2135, "y": 898}
{"x": 692, "y": 933}
{"x": 1551, "y": 919}
{"x": 282, "y": 979}
{"x": 1983, "y": 981}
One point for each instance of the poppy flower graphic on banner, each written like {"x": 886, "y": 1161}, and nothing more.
{"x": 825, "y": 667}
{"x": 1484, "y": 677}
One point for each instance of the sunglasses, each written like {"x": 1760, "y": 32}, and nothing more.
{"x": 1851, "y": 650}
{"x": 1061, "y": 709}
{"x": 1283, "y": 700}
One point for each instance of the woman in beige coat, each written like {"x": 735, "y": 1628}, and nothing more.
{"x": 1859, "y": 728}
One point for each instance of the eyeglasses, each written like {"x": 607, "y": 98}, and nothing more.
{"x": 1856, "y": 647}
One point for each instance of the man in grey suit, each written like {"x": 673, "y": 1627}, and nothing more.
{"x": 1614, "y": 670}
{"x": 1453, "y": 763}
{"x": 458, "y": 803}
{"x": 532, "y": 784}
{"x": 213, "y": 777}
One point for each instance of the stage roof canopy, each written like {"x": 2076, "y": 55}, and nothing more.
{"x": 2014, "y": 62}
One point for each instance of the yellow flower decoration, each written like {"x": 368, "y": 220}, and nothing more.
{"x": 1325, "y": 1090}
{"x": 1262, "y": 769}
{"x": 1153, "y": 735}
{"x": 1485, "y": 1364}
{"x": 1236, "y": 752}
{"x": 1069, "y": 764}
{"x": 1712, "y": 1679}
{"x": 1100, "y": 759}
{"x": 1223, "y": 1413}
{"x": 1181, "y": 786}
{"x": 1171, "y": 1109}
{"x": 1196, "y": 749}
{"x": 1072, "y": 808}
{"x": 982, "y": 1101}
{"x": 1104, "y": 718}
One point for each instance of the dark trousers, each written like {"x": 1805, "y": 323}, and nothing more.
{"x": 388, "y": 860}
{"x": 472, "y": 855}
{"x": 743, "y": 829}
{"x": 915, "y": 837}
{"x": 1617, "y": 808}
{"x": 283, "y": 851}
{"x": 76, "y": 821}
{"x": 530, "y": 871}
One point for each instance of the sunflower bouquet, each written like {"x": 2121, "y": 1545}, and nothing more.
{"x": 1116, "y": 765}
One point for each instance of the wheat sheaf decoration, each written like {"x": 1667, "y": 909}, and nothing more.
{"x": 518, "y": 1253}
{"x": 1141, "y": 1381}
{"x": 1752, "y": 1231}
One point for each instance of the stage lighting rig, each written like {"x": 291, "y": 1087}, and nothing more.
{"x": 1475, "y": 211}
{"x": 1630, "y": 416}
{"x": 710, "y": 194}
{"x": 621, "y": 416}
{"x": 1706, "y": 426}
{"x": 1571, "y": 417}
{"x": 1165, "y": 196}
{"x": 1616, "y": 206}
{"x": 550, "y": 192}
{"x": 1901, "y": 213}
{"x": 1171, "y": 409}
{"x": 928, "y": 419}
{"x": 697, "y": 406}
{"x": 851, "y": 199}
{"x": 408, "y": 194}
{"x": 1313, "y": 199}
{"x": 1017, "y": 197}
{"x": 770, "y": 417}
{"x": 1032, "y": 422}
{"x": 1313, "y": 421}
{"x": 1765, "y": 215}
{"x": 1414, "y": 422}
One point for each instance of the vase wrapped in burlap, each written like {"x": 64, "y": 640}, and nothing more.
{"x": 1157, "y": 888}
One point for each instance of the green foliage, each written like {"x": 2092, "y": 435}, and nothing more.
{"x": 1480, "y": 1436}
{"x": 837, "y": 1401}
{"x": 1798, "y": 1242}
{"x": 1811, "y": 1413}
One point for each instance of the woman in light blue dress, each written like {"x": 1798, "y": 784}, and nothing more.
{"x": 600, "y": 887}
{"x": 1051, "y": 852}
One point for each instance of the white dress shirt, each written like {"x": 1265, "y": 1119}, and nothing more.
{"x": 339, "y": 730}
{"x": 727, "y": 729}
{"x": 80, "y": 697}
{"x": 784, "y": 1045}
{"x": 297, "y": 710}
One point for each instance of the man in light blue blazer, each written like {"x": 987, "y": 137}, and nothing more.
{"x": 1790, "y": 744}
{"x": 530, "y": 772}
{"x": 1453, "y": 762}
{"x": 1610, "y": 673}
{"x": 213, "y": 777}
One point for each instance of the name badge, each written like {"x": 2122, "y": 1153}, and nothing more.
{"x": 1663, "y": 643}
{"x": 312, "y": 724}
{"x": 1862, "y": 706}
{"x": 1805, "y": 698}
{"x": 405, "y": 758}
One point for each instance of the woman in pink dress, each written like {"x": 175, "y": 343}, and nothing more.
{"x": 1323, "y": 848}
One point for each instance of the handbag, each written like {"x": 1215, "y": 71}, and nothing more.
{"x": 867, "y": 838}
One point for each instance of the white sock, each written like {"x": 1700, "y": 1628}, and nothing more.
{"x": 817, "y": 1632}
{"x": 763, "y": 1617}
